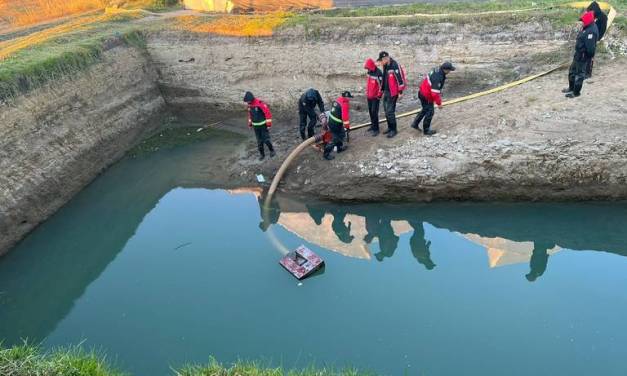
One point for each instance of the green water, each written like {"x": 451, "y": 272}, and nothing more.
{"x": 158, "y": 268}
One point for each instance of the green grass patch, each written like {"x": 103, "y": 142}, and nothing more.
{"x": 27, "y": 360}
{"x": 214, "y": 368}
{"x": 452, "y": 7}
{"x": 61, "y": 57}
{"x": 315, "y": 25}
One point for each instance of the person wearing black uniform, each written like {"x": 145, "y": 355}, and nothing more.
{"x": 393, "y": 84}
{"x": 306, "y": 109}
{"x": 585, "y": 48}
{"x": 600, "y": 19}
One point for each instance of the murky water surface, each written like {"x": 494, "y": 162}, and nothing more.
{"x": 157, "y": 269}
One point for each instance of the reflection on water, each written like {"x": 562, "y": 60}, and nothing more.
{"x": 158, "y": 269}
{"x": 350, "y": 231}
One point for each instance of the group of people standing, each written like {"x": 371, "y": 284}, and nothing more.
{"x": 386, "y": 80}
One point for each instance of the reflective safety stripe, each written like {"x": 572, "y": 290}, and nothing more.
{"x": 259, "y": 123}
{"x": 347, "y": 122}
{"x": 435, "y": 91}
{"x": 334, "y": 118}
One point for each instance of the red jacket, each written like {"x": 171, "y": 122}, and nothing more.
{"x": 259, "y": 114}
{"x": 340, "y": 112}
{"x": 432, "y": 85}
{"x": 394, "y": 79}
{"x": 375, "y": 78}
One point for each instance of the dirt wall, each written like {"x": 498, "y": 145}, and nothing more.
{"x": 331, "y": 57}
{"x": 56, "y": 139}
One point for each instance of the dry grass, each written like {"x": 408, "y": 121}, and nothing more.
{"x": 261, "y": 25}
{"x": 10, "y": 47}
{"x": 28, "y": 12}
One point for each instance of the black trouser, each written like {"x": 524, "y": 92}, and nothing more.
{"x": 338, "y": 133}
{"x": 373, "y": 110}
{"x": 589, "y": 68}
{"x": 576, "y": 75}
{"x": 389, "y": 105}
{"x": 426, "y": 113}
{"x": 263, "y": 138}
{"x": 304, "y": 112}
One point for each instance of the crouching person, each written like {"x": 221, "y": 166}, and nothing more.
{"x": 260, "y": 119}
{"x": 339, "y": 120}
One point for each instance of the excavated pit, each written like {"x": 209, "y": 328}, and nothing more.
{"x": 58, "y": 138}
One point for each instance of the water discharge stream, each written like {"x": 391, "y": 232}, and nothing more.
{"x": 156, "y": 267}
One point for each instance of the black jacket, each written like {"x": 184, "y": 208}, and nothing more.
{"x": 585, "y": 46}
{"x": 310, "y": 99}
{"x": 392, "y": 66}
{"x": 600, "y": 18}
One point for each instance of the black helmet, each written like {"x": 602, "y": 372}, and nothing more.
{"x": 347, "y": 94}
{"x": 248, "y": 97}
{"x": 447, "y": 65}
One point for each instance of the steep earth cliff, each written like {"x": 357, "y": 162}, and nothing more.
{"x": 56, "y": 139}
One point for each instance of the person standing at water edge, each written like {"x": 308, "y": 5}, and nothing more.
{"x": 393, "y": 85}
{"x": 373, "y": 94}
{"x": 307, "y": 109}
{"x": 430, "y": 94}
{"x": 260, "y": 119}
{"x": 585, "y": 47}
{"x": 339, "y": 119}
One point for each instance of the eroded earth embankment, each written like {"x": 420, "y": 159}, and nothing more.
{"x": 56, "y": 139}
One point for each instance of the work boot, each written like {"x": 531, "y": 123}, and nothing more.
{"x": 430, "y": 132}
{"x": 572, "y": 95}
{"x": 369, "y": 130}
{"x": 375, "y": 133}
{"x": 392, "y": 133}
{"x": 567, "y": 90}
{"x": 387, "y": 131}
{"x": 261, "y": 157}
{"x": 342, "y": 148}
{"x": 272, "y": 154}
{"x": 329, "y": 157}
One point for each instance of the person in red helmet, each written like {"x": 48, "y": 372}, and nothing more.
{"x": 585, "y": 47}
{"x": 430, "y": 94}
{"x": 339, "y": 122}
{"x": 260, "y": 119}
{"x": 374, "y": 92}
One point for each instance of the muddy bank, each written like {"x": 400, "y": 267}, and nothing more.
{"x": 56, "y": 139}
{"x": 528, "y": 143}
